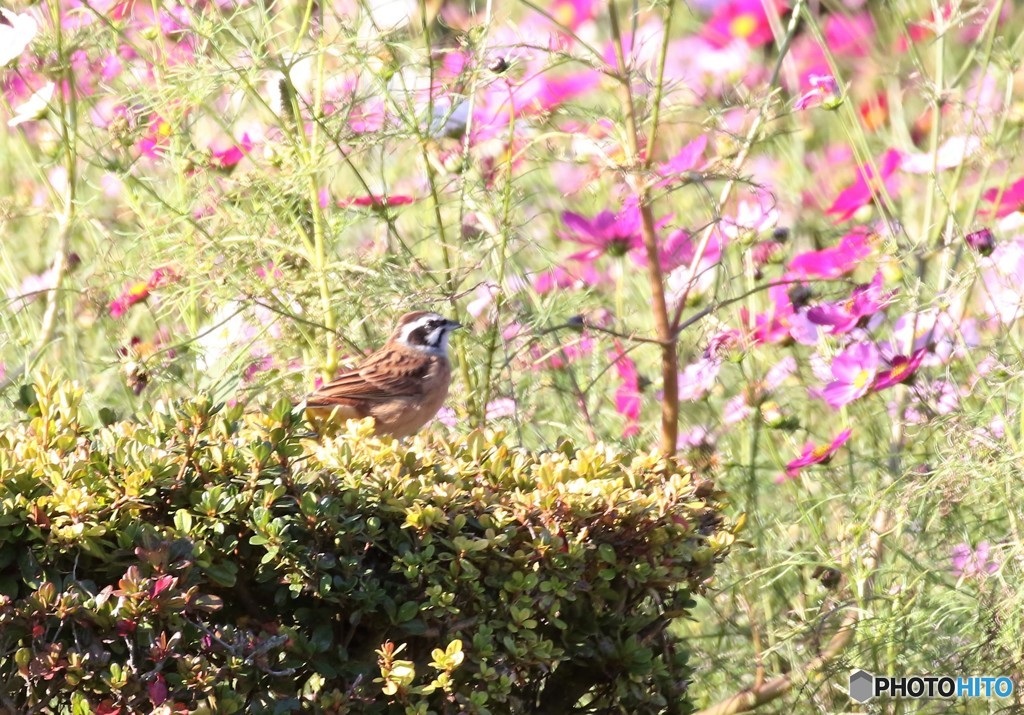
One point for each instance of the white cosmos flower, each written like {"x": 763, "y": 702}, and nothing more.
{"x": 17, "y": 30}
{"x": 35, "y": 107}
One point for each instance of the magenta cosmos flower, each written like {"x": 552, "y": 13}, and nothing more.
{"x": 833, "y": 262}
{"x": 824, "y": 91}
{"x": 817, "y": 455}
{"x": 608, "y": 233}
{"x": 1009, "y": 201}
{"x": 901, "y": 369}
{"x": 688, "y": 159}
{"x": 138, "y": 292}
{"x": 973, "y": 562}
{"x": 744, "y": 20}
{"x": 867, "y": 184}
{"x": 844, "y": 316}
{"x": 853, "y": 373}
{"x": 627, "y": 395}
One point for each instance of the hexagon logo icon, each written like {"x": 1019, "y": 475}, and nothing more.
{"x": 862, "y": 685}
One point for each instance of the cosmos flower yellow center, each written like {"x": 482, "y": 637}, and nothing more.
{"x": 862, "y": 379}
{"x": 139, "y": 289}
{"x": 163, "y": 129}
{"x": 565, "y": 14}
{"x": 820, "y": 451}
{"x": 899, "y": 371}
{"x": 743, "y": 26}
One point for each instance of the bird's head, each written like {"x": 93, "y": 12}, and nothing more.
{"x": 425, "y": 331}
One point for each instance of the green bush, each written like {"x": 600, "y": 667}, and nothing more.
{"x": 210, "y": 561}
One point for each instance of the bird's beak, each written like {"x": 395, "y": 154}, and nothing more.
{"x": 455, "y": 325}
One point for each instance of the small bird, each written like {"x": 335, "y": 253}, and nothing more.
{"x": 401, "y": 386}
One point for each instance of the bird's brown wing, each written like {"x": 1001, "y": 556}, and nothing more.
{"x": 384, "y": 375}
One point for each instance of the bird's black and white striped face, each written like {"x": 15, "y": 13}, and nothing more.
{"x": 424, "y": 331}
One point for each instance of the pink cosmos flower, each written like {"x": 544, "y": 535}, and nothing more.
{"x": 824, "y": 92}
{"x": 742, "y": 405}
{"x": 608, "y": 233}
{"x": 138, "y": 292}
{"x": 853, "y": 373}
{"x": 627, "y": 394}
{"x": 867, "y": 185}
{"x": 1009, "y": 201}
{"x": 939, "y": 397}
{"x": 31, "y": 288}
{"x": 744, "y": 20}
{"x": 834, "y": 262}
{"x": 688, "y": 158}
{"x": 367, "y": 117}
{"x": 842, "y": 317}
{"x": 575, "y": 278}
{"x": 968, "y": 562}
{"x": 573, "y": 13}
{"x": 557, "y": 358}
{"x": 817, "y": 455}
{"x": 773, "y": 325}
{"x": 901, "y": 369}
{"x": 156, "y": 137}
{"x": 377, "y": 202}
{"x": 677, "y": 250}
{"x": 229, "y": 157}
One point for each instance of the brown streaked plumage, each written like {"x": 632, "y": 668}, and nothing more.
{"x": 401, "y": 386}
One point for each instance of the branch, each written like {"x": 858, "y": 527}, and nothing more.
{"x": 662, "y": 323}
{"x": 752, "y": 698}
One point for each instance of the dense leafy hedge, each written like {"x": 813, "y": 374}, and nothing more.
{"x": 209, "y": 561}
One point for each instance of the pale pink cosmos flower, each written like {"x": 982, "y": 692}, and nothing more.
{"x": 752, "y": 217}
{"x": 697, "y": 378}
{"x": 485, "y": 294}
{"x": 742, "y": 405}
{"x": 949, "y": 155}
{"x": 499, "y": 408}
{"x": 447, "y": 417}
{"x": 853, "y": 373}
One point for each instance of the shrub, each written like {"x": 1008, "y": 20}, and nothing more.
{"x": 206, "y": 560}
